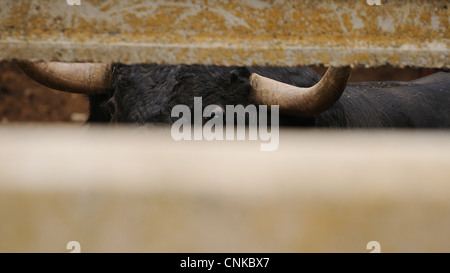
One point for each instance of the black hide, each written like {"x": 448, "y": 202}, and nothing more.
{"x": 144, "y": 94}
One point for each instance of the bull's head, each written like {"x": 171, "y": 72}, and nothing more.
{"x": 93, "y": 78}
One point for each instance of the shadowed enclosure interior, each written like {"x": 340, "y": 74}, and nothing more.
{"x": 24, "y": 100}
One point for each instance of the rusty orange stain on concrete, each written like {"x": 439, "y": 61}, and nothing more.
{"x": 208, "y": 23}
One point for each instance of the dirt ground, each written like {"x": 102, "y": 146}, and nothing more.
{"x": 22, "y": 100}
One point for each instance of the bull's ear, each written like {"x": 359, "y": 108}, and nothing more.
{"x": 239, "y": 88}
{"x": 86, "y": 78}
{"x": 239, "y": 75}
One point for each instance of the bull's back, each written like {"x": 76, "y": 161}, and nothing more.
{"x": 422, "y": 103}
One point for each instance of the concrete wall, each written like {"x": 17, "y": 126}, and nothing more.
{"x": 138, "y": 190}
{"x": 288, "y": 32}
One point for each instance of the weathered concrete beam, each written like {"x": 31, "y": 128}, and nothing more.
{"x": 285, "y": 32}
{"x": 138, "y": 190}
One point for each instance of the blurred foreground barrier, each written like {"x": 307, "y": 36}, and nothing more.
{"x": 137, "y": 190}
{"x": 287, "y": 32}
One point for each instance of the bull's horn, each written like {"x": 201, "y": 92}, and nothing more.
{"x": 298, "y": 101}
{"x": 86, "y": 78}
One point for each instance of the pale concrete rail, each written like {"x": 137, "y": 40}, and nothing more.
{"x": 287, "y": 32}
{"x": 129, "y": 189}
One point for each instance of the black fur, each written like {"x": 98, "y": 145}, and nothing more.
{"x": 422, "y": 103}
{"x": 145, "y": 94}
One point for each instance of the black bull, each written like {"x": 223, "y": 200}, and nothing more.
{"x": 145, "y": 94}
